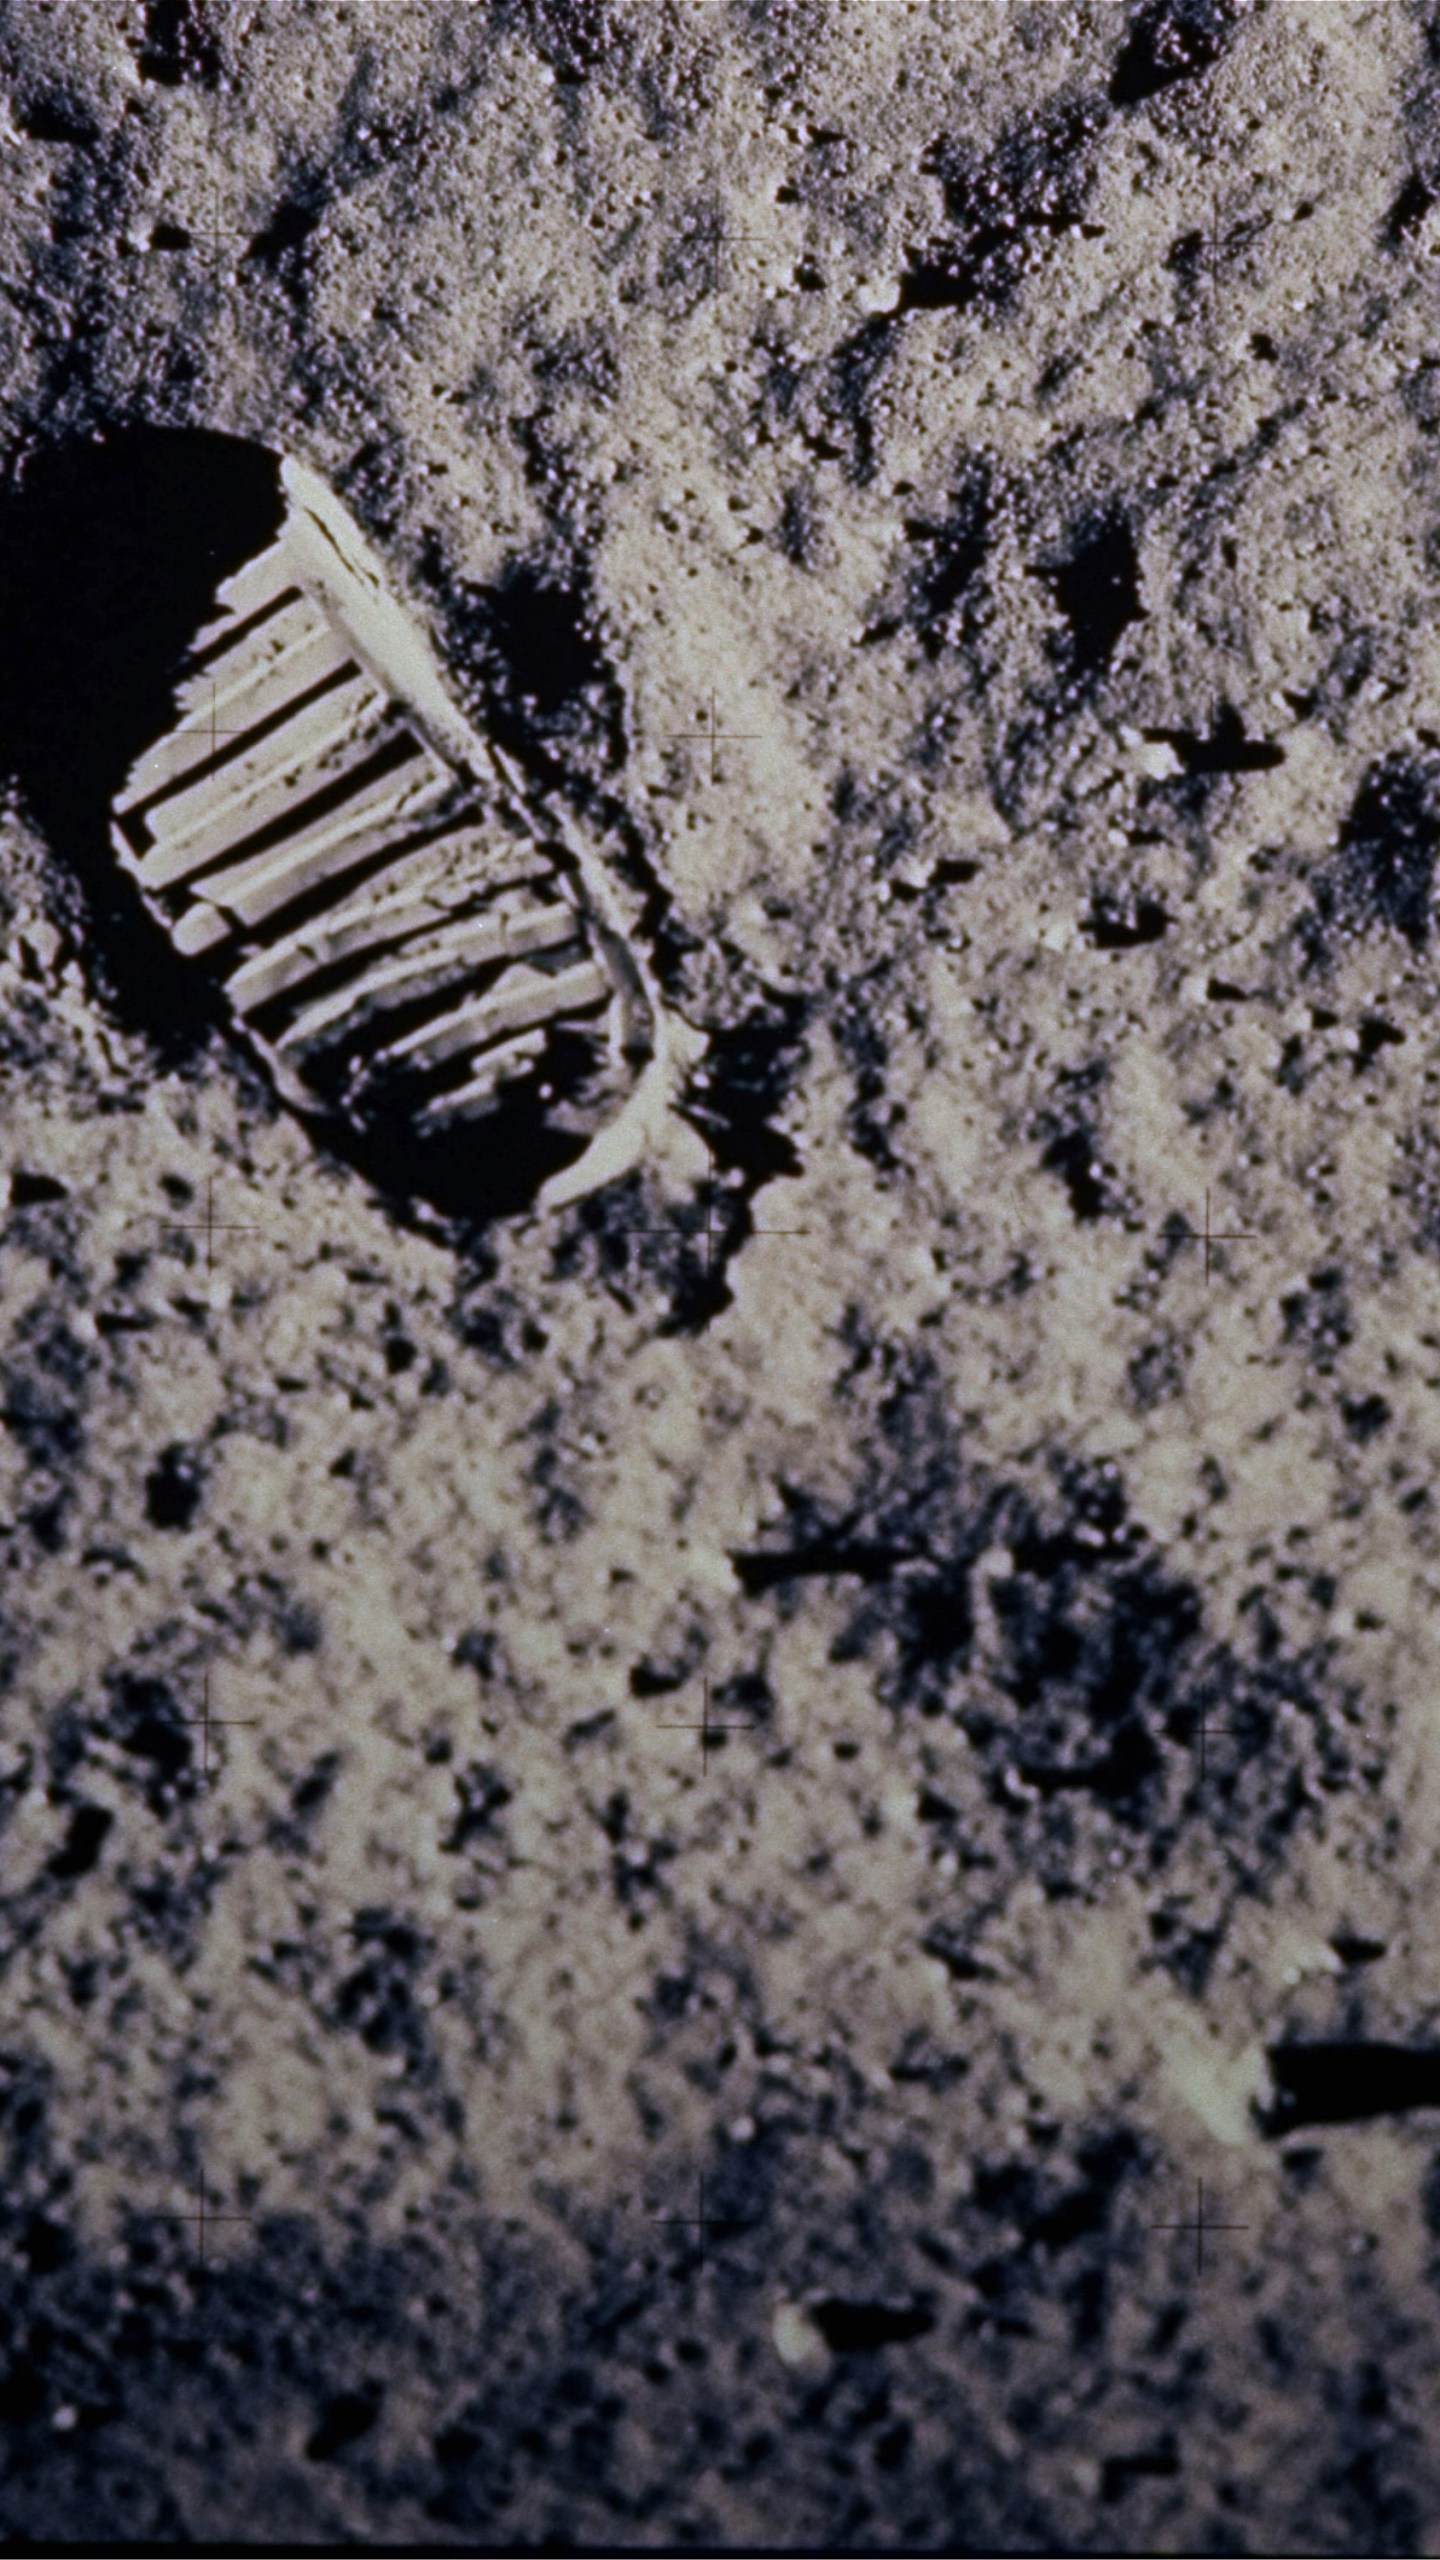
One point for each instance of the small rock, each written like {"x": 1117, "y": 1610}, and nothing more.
{"x": 797, "y": 2341}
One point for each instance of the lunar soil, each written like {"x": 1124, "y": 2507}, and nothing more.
{"x": 747, "y": 1862}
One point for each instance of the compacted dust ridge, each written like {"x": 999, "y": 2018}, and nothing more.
{"x": 721, "y": 1278}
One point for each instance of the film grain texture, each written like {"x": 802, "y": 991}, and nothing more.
{"x": 743, "y": 1852}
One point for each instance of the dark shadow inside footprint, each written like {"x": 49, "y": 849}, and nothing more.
{"x": 110, "y": 553}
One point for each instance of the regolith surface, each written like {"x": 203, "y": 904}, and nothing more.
{"x": 755, "y": 1862}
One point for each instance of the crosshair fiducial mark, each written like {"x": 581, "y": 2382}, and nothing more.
{"x": 1208, "y": 1236}
{"x": 709, "y": 734}
{"x": 800, "y": 257}
{"x": 209, "y": 1226}
{"x": 712, "y": 1233}
{"x": 211, "y": 726}
{"x": 1205, "y": 1725}
{"x": 202, "y": 732}
{"x": 710, "y": 1728}
{"x": 1200, "y": 2226}
{"x": 202, "y": 2213}
{"x": 701, "y": 2223}
{"x": 207, "y": 1724}
{"x": 722, "y": 235}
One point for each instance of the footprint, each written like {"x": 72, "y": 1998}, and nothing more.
{"x": 422, "y": 958}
